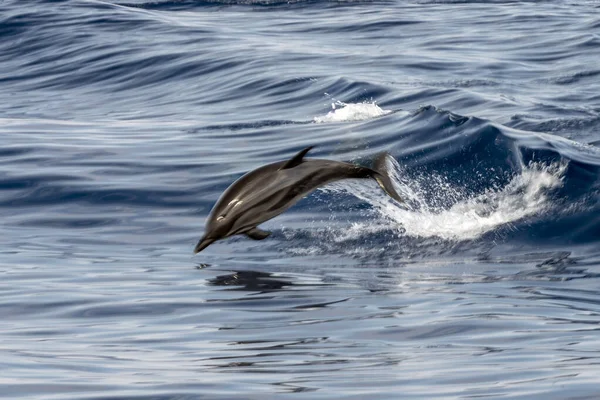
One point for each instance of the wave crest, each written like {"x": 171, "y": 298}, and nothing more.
{"x": 351, "y": 112}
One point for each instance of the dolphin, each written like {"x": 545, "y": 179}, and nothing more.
{"x": 269, "y": 190}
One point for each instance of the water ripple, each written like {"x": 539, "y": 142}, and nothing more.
{"x": 124, "y": 121}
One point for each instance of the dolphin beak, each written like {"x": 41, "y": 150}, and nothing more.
{"x": 202, "y": 244}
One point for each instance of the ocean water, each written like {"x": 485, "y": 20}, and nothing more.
{"x": 121, "y": 123}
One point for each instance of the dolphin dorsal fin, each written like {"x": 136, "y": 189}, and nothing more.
{"x": 297, "y": 159}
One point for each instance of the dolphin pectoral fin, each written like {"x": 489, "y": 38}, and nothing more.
{"x": 258, "y": 234}
{"x": 297, "y": 159}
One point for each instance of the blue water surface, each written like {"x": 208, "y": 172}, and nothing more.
{"x": 121, "y": 123}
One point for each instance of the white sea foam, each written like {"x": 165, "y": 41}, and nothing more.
{"x": 342, "y": 112}
{"x": 467, "y": 218}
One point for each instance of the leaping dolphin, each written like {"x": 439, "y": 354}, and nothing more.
{"x": 268, "y": 191}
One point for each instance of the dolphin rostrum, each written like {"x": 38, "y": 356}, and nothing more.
{"x": 268, "y": 191}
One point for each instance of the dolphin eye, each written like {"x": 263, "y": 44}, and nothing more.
{"x": 220, "y": 217}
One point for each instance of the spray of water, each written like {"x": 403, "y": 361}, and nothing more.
{"x": 345, "y": 112}
{"x": 425, "y": 215}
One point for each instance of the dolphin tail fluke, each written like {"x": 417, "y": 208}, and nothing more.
{"x": 383, "y": 176}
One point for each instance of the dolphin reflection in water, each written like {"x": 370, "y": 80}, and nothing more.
{"x": 268, "y": 191}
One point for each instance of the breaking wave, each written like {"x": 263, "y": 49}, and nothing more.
{"x": 463, "y": 179}
{"x": 342, "y": 112}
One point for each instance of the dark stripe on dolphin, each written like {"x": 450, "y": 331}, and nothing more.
{"x": 269, "y": 190}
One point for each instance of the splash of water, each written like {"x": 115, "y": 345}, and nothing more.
{"x": 467, "y": 218}
{"x": 342, "y": 112}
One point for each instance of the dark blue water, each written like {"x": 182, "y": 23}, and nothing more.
{"x": 121, "y": 123}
